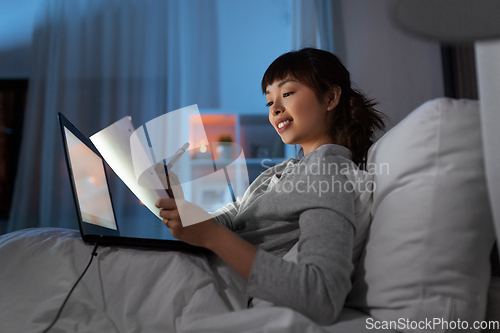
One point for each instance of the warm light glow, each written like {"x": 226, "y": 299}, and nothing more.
{"x": 203, "y": 149}
{"x": 92, "y": 180}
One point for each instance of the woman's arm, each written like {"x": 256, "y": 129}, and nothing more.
{"x": 318, "y": 284}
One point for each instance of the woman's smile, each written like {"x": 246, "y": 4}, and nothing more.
{"x": 283, "y": 123}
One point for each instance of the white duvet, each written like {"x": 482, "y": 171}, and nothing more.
{"x": 131, "y": 290}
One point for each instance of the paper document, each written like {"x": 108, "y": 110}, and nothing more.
{"x": 114, "y": 144}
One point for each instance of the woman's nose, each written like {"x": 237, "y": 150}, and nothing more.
{"x": 276, "y": 109}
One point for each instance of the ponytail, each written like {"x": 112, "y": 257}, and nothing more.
{"x": 354, "y": 123}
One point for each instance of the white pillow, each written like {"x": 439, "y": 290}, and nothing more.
{"x": 427, "y": 254}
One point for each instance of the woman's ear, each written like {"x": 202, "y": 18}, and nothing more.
{"x": 334, "y": 98}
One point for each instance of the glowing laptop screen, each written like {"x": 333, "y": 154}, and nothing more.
{"x": 90, "y": 182}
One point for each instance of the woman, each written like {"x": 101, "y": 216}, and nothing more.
{"x": 311, "y": 199}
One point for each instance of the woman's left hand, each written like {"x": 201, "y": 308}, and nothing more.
{"x": 196, "y": 233}
{"x": 234, "y": 250}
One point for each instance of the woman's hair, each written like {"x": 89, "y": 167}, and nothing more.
{"x": 354, "y": 119}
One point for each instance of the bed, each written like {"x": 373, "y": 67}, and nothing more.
{"x": 127, "y": 290}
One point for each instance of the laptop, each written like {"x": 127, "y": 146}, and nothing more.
{"x": 94, "y": 206}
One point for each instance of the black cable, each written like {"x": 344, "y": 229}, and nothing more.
{"x": 94, "y": 253}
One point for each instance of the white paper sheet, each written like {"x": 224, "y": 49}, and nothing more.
{"x": 113, "y": 143}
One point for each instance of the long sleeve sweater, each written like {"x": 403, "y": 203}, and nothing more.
{"x": 311, "y": 200}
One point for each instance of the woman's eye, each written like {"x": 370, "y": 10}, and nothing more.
{"x": 287, "y": 94}
{"x": 269, "y": 104}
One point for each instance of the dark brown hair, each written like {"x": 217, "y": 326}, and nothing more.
{"x": 354, "y": 119}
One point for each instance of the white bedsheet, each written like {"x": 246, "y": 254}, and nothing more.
{"x": 131, "y": 290}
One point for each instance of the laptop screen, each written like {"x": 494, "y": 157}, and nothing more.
{"x": 90, "y": 182}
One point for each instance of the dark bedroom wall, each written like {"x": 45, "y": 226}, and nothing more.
{"x": 399, "y": 70}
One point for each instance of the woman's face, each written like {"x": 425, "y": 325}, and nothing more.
{"x": 297, "y": 114}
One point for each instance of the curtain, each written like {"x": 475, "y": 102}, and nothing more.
{"x": 459, "y": 70}
{"x": 97, "y": 61}
{"x": 317, "y": 24}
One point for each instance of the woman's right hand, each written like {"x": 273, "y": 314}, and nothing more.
{"x": 188, "y": 222}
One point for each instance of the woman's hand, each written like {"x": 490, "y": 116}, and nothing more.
{"x": 234, "y": 250}
{"x": 195, "y": 232}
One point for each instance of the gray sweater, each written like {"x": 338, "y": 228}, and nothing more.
{"x": 311, "y": 200}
